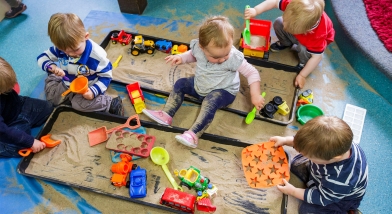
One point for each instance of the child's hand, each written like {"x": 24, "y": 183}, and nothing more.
{"x": 38, "y": 146}
{"x": 300, "y": 81}
{"x": 258, "y": 101}
{"x": 281, "y": 141}
{"x": 88, "y": 95}
{"x": 287, "y": 189}
{"x": 56, "y": 70}
{"x": 176, "y": 60}
{"x": 250, "y": 13}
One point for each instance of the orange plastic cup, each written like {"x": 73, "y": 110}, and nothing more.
{"x": 78, "y": 85}
{"x": 120, "y": 168}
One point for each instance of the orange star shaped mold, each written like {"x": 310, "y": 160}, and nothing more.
{"x": 265, "y": 165}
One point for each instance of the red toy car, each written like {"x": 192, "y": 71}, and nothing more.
{"x": 178, "y": 200}
{"x": 121, "y": 37}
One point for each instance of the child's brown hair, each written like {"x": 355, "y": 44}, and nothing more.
{"x": 301, "y": 15}
{"x": 66, "y": 30}
{"x": 216, "y": 29}
{"x": 324, "y": 138}
{"x": 7, "y": 77}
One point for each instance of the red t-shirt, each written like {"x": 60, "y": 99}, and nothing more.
{"x": 316, "y": 40}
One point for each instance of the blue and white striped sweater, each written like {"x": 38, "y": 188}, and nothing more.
{"x": 99, "y": 72}
{"x": 343, "y": 180}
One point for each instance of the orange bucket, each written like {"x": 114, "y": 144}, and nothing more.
{"x": 78, "y": 85}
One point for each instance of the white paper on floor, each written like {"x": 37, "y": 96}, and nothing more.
{"x": 354, "y": 116}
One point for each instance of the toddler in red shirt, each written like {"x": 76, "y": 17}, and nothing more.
{"x": 304, "y": 27}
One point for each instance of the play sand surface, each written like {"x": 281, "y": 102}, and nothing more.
{"x": 75, "y": 163}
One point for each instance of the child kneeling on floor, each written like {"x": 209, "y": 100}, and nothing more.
{"x": 333, "y": 168}
{"x": 77, "y": 55}
{"x": 18, "y": 114}
{"x": 216, "y": 81}
{"x": 304, "y": 27}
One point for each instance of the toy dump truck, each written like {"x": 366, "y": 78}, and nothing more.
{"x": 139, "y": 45}
{"x": 121, "y": 37}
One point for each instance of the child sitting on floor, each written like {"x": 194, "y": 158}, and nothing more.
{"x": 18, "y": 114}
{"x": 216, "y": 81}
{"x": 333, "y": 168}
{"x": 304, "y": 27}
{"x": 76, "y": 55}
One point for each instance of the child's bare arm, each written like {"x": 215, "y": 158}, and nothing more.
{"x": 281, "y": 141}
{"x": 289, "y": 189}
{"x": 261, "y": 8}
{"x": 309, "y": 67}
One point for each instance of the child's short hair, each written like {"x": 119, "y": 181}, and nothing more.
{"x": 7, "y": 77}
{"x": 66, "y": 30}
{"x": 216, "y": 29}
{"x": 301, "y": 15}
{"x": 324, "y": 138}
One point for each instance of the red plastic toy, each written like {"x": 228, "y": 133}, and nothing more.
{"x": 205, "y": 205}
{"x": 134, "y": 92}
{"x": 178, "y": 200}
{"x": 121, "y": 37}
{"x": 259, "y": 47}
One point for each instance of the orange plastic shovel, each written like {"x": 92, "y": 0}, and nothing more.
{"x": 78, "y": 85}
{"x": 46, "y": 139}
{"x": 101, "y": 135}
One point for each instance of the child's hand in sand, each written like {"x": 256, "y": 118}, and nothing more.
{"x": 175, "y": 59}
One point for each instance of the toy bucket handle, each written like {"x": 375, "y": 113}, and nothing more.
{"x": 25, "y": 152}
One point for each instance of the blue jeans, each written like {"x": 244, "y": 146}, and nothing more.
{"x": 215, "y": 100}
{"x": 34, "y": 113}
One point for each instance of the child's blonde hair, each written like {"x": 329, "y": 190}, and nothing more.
{"x": 66, "y": 30}
{"x": 301, "y": 15}
{"x": 7, "y": 77}
{"x": 324, "y": 137}
{"x": 216, "y": 29}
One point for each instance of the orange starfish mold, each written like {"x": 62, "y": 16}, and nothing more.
{"x": 265, "y": 165}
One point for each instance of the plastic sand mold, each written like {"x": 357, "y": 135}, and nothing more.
{"x": 265, "y": 165}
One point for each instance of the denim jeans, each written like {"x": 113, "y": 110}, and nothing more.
{"x": 34, "y": 113}
{"x": 215, "y": 100}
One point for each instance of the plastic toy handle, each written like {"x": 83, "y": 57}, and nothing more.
{"x": 247, "y": 22}
{"x": 66, "y": 92}
{"x": 25, "y": 152}
{"x": 126, "y": 124}
{"x": 171, "y": 179}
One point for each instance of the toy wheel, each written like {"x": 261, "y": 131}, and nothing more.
{"x": 134, "y": 166}
{"x": 266, "y": 55}
{"x": 123, "y": 44}
{"x": 135, "y": 52}
{"x": 114, "y": 42}
{"x": 208, "y": 180}
{"x": 150, "y": 51}
{"x": 127, "y": 184}
{"x": 185, "y": 184}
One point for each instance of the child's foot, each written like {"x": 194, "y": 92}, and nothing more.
{"x": 14, "y": 11}
{"x": 276, "y": 47}
{"x": 116, "y": 107}
{"x": 188, "y": 139}
{"x": 160, "y": 117}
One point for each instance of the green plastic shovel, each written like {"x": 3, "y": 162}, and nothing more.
{"x": 251, "y": 115}
{"x": 246, "y": 34}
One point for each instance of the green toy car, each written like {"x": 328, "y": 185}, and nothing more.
{"x": 192, "y": 178}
